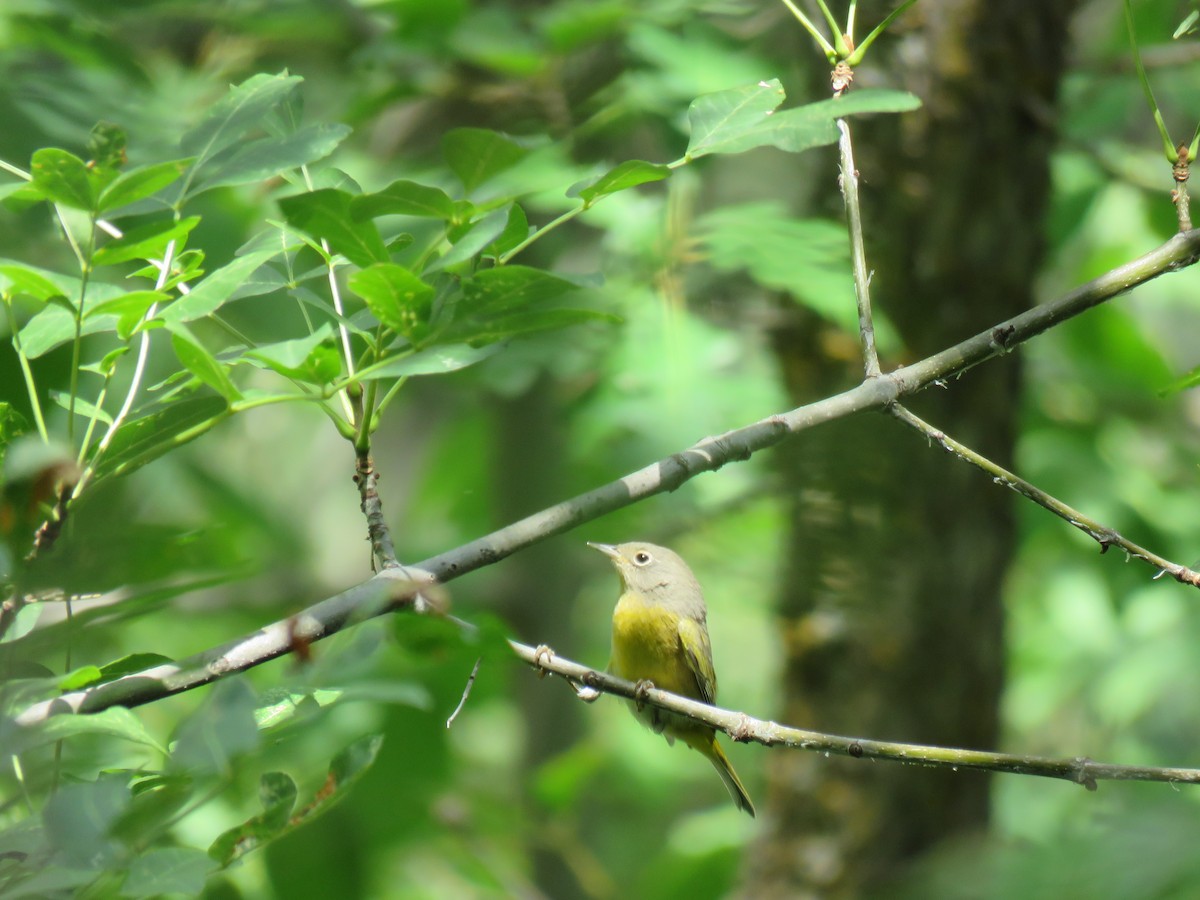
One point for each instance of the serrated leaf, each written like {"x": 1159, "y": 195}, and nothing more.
{"x": 404, "y": 198}
{"x": 325, "y": 214}
{"x": 620, "y": 178}
{"x": 196, "y": 359}
{"x": 138, "y": 184}
{"x": 476, "y": 155}
{"x": 144, "y": 242}
{"x": 395, "y": 296}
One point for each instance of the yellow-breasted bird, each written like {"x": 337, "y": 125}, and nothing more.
{"x": 660, "y": 635}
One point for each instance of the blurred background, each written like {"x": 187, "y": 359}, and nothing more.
{"x": 858, "y": 581}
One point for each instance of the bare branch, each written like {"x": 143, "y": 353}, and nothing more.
{"x": 1102, "y": 535}
{"x": 744, "y": 728}
{"x": 400, "y": 587}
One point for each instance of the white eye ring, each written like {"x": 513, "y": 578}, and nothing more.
{"x": 642, "y": 558}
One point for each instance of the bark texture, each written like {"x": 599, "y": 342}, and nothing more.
{"x": 891, "y": 607}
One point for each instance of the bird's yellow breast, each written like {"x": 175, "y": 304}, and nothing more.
{"x": 646, "y": 646}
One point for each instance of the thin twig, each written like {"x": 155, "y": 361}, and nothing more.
{"x": 858, "y": 255}
{"x": 1101, "y": 534}
{"x": 466, "y": 692}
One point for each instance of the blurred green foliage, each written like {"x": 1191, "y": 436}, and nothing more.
{"x": 437, "y": 133}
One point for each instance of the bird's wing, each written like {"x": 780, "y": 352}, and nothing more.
{"x": 693, "y": 638}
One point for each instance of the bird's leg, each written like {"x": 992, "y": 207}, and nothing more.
{"x": 643, "y": 686}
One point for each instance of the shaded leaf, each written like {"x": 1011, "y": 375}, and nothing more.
{"x": 721, "y": 121}
{"x": 396, "y": 297}
{"x": 115, "y": 722}
{"x": 268, "y": 157}
{"x": 78, "y": 816}
{"x": 404, "y": 198}
{"x": 490, "y": 330}
{"x": 217, "y": 288}
{"x": 64, "y": 178}
{"x": 241, "y": 110}
{"x": 477, "y": 154}
{"x": 627, "y": 175}
{"x": 168, "y": 870}
{"x": 144, "y": 242}
{"x": 325, "y": 214}
{"x": 140, "y": 183}
{"x": 144, "y": 439}
{"x": 430, "y": 361}
{"x": 277, "y": 793}
{"x": 221, "y": 730}
{"x": 507, "y": 288}
{"x": 197, "y": 360}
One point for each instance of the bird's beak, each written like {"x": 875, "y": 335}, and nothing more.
{"x": 607, "y": 549}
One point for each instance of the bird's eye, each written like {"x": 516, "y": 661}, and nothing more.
{"x": 642, "y": 558}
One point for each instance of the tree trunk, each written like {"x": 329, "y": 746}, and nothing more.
{"x": 891, "y": 607}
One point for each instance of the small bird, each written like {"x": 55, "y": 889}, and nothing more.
{"x": 660, "y": 635}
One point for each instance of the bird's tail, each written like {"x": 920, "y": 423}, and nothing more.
{"x": 725, "y": 769}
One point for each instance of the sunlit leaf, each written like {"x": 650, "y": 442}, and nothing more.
{"x": 404, "y": 198}
{"x": 325, "y": 214}
{"x": 624, "y": 176}
{"x": 137, "y": 184}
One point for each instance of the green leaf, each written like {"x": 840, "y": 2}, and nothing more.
{"x": 240, "y": 111}
{"x": 309, "y": 359}
{"x": 197, "y": 360}
{"x": 106, "y": 145}
{"x": 135, "y": 303}
{"x": 161, "y": 871}
{"x": 489, "y": 330}
{"x": 395, "y": 296}
{"x": 796, "y": 129}
{"x": 326, "y": 214}
{"x": 115, "y": 722}
{"x": 627, "y": 175}
{"x": 81, "y": 677}
{"x": 277, "y": 793}
{"x": 145, "y": 242}
{"x": 26, "y": 280}
{"x": 84, "y": 408}
{"x": 138, "y": 184}
{"x": 64, "y": 178}
{"x": 77, "y": 818}
{"x": 508, "y": 288}
{"x": 268, "y": 157}
{"x": 516, "y": 229}
{"x": 430, "y": 361}
{"x": 404, "y": 198}
{"x": 55, "y": 324}
{"x": 723, "y": 119}
{"x": 470, "y": 240}
{"x": 134, "y": 662}
{"x": 221, "y": 730}
{"x": 476, "y": 154}
{"x": 144, "y": 439}
{"x": 217, "y": 288}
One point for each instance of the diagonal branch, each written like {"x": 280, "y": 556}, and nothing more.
{"x": 394, "y": 588}
{"x": 1104, "y": 536}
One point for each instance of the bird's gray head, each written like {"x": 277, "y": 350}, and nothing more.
{"x": 659, "y": 575}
